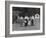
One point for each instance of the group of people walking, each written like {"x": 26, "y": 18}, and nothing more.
{"x": 26, "y": 21}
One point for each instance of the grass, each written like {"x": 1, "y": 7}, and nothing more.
{"x": 17, "y": 27}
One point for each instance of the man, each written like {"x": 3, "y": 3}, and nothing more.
{"x": 32, "y": 21}
{"x": 26, "y": 21}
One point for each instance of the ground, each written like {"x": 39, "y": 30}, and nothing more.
{"x": 17, "y": 27}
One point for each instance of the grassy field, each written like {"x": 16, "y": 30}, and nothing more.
{"x": 17, "y": 27}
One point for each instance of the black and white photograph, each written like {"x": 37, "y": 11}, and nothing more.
{"x": 24, "y": 18}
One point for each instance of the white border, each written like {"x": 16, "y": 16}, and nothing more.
{"x": 29, "y": 31}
